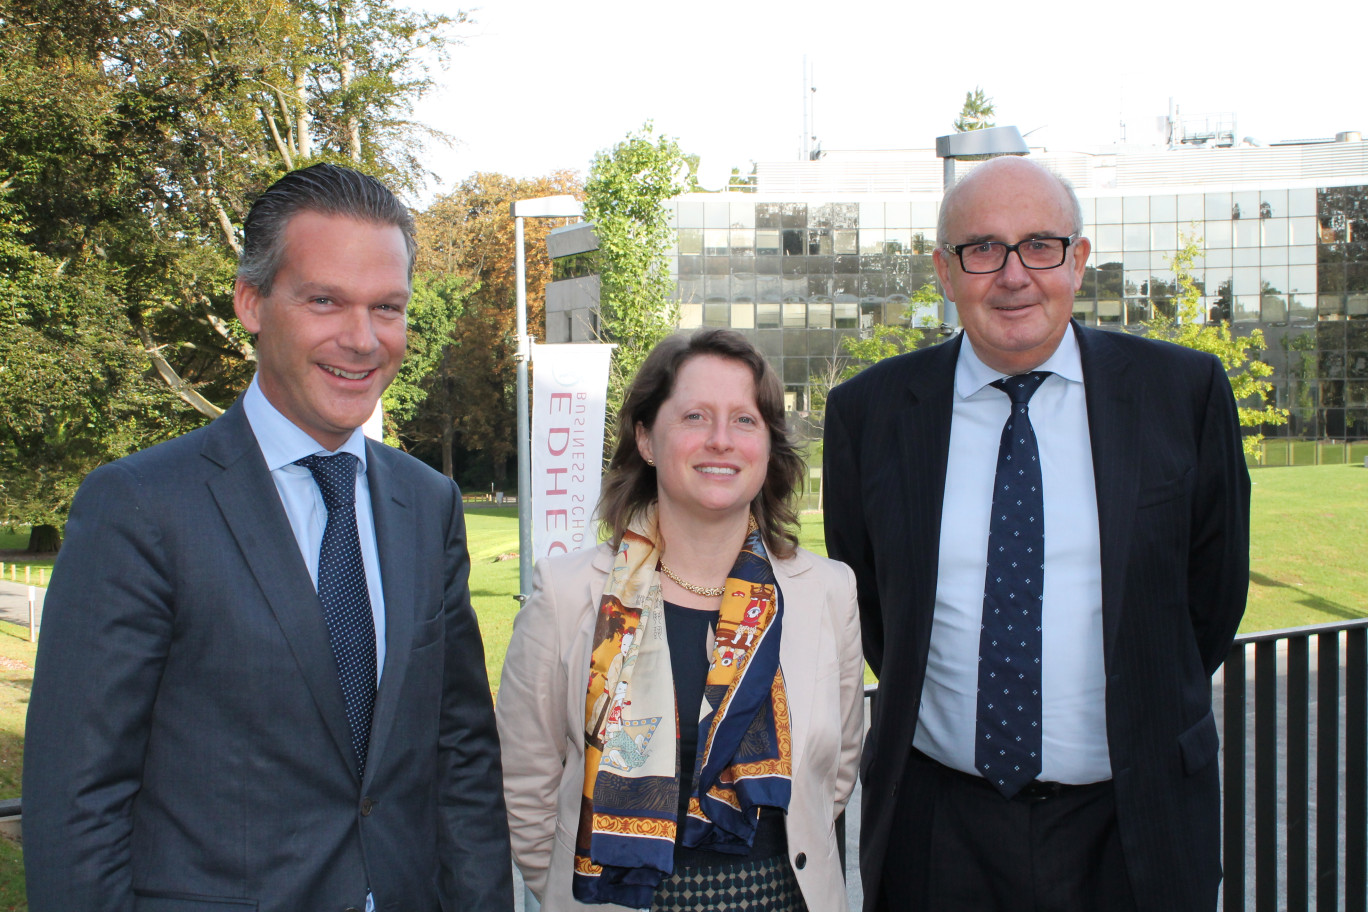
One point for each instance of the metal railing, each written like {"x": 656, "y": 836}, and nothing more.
{"x": 1276, "y": 854}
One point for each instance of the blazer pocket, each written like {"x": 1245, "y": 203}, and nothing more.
{"x": 1164, "y": 491}
{"x": 1199, "y": 744}
{"x": 144, "y": 903}
{"x": 427, "y": 632}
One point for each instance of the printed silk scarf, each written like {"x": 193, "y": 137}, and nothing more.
{"x": 625, "y": 845}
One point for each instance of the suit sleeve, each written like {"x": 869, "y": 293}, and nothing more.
{"x": 847, "y": 538}
{"x": 107, "y": 628}
{"x": 531, "y": 713}
{"x": 476, "y": 867}
{"x": 1218, "y": 574}
{"x": 852, "y": 690}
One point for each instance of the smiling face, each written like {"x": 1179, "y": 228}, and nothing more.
{"x": 332, "y": 332}
{"x": 710, "y": 445}
{"x": 1016, "y": 316}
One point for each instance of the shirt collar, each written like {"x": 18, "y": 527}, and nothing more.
{"x": 282, "y": 442}
{"x": 972, "y": 375}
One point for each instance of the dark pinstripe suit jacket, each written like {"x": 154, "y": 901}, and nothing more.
{"x": 1173, "y": 513}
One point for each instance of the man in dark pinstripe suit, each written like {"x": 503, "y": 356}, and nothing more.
{"x": 1145, "y": 572}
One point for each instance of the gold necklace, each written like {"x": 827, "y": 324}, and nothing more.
{"x": 709, "y": 591}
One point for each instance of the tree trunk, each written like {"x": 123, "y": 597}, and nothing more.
{"x": 448, "y": 437}
{"x": 44, "y": 539}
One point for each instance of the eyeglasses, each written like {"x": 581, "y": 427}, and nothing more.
{"x": 990, "y": 256}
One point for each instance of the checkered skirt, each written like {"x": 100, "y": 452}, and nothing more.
{"x": 759, "y": 885}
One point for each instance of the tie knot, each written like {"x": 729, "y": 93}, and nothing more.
{"x": 335, "y": 476}
{"x": 1021, "y": 386}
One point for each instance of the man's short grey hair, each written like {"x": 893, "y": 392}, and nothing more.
{"x": 948, "y": 202}
{"x": 326, "y": 189}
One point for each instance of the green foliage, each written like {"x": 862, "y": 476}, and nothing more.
{"x": 884, "y": 341}
{"x": 1181, "y": 322}
{"x": 624, "y": 198}
{"x": 977, "y": 113}
{"x": 438, "y": 302}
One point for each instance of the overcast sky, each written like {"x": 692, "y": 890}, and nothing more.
{"x": 540, "y": 85}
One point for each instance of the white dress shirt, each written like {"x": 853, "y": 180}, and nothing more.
{"x": 282, "y": 443}
{"x": 1074, "y": 716}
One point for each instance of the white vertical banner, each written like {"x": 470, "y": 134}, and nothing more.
{"x": 569, "y": 398}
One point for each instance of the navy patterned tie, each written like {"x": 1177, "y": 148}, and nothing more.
{"x": 346, "y": 600}
{"x": 1007, "y": 732}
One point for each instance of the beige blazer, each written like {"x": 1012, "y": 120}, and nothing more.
{"x": 540, "y": 711}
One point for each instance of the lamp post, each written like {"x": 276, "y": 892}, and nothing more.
{"x": 564, "y": 206}
{"x": 974, "y": 144}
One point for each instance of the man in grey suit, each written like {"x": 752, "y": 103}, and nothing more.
{"x": 1043, "y": 736}
{"x": 260, "y": 682}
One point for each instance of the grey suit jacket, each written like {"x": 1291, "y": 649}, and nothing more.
{"x": 187, "y": 745}
{"x": 1173, "y": 514}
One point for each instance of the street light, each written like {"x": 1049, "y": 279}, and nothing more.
{"x": 563, "y": 206}
{"x": 974, "y": 144}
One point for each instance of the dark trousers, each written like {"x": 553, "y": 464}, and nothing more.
{"x": 957, "y": 844}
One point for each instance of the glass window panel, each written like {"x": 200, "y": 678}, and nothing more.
{"x": 819, "y": 215}
{"x": 1089, "y": 209}
{"x": 845, "y": 240}
{"x": 1163, "y": 236}
{"x": 1137, "y": 260}
{"x": 717, "y": 265}
{"x": 1135, "y": 209}
{"x": 688, "y": 290}
{"x": 1273, "y": 202}
{"x": 847, "y": 285}
{"x": 1191, "y": 207}
{"x": 742, "y": 286}
{"x": 742, "y": 242}
{"x": 1135, "y": 237}
{"x": 796, "y": 340}
{"x": 1163, "y": 209}
{"x": 715, "y": 241}
{"x": 819, "y": 242}
{"x": 924, "y": 215}
{"x": 1356, "y": 306}
{"x": 1273, "y": 256}
{"x": 690, "y": 240}
{"x": 1218, "y": 258}
{"x": 690, "y": 316}
{"x": 1246, "y": 202}
{"x": 767, "y": 215}
{"x": 871, "y": 240}
{"x": 1273, "y": 278}
{"x": 1083, "y": 310}
{"x": 767, "y": 315}
{"x": 717, "y": 214}
{"x": 848, "y": 264}
{"x": 1109, "y": 210}
{"x": 743, "y": 315}
{"x": 1274, "y": 232}
{"x": 795, "y": 316}
{"x": 871, "y": 285}
{"x": 897, "y": 215}
{"x": 1109, "y": 311}
{"x": 1218, "y": 234}
{"x": 769, "y": 265}
{"x": 846, "y": 314}
{"x": 1217, "y": 207}
{"x": 795, "y": 372}
{"x": 1137, "y": 282}
{"x": 1108, "y": 238}
{"x": 897, "y": 240}
{"x": 767, "y": 288}
{"x": 793, "y": 240}
{"x": 1301, "y": 256}
{"x": 793, "y": 288}
{"x": 716, "y": 313}
{"x": 718, "y": 288}
{"x": 871, "y": 215}
{"x": 1247, "y": 232}
{"x": 821, "y": 265}
{"x": 1245, "y": 281}
{"x": 1301, "y": 278}
{"x": 1301, "y": 202}
{"x": 1302, "y": 231}
{"x": 1274, "y": 308}
{"x": 767, "y": 242}
{"x": 742, "y": 215}
{"x": 819, "y": 315}
{"x": 690, "y": 214}
{"x": 845, "y": 215}
{"x": 793, "y": 215}
{"x": 1301, "y": 307}
{"x": 818, "y": 285}
{"x": 1246, "y": 308}
{"x": 1246, "y": 256}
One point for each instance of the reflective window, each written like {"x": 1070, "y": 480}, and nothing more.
{"x": 1163, "y": 209}
{"x": 1218, "y": 234}
{"x": 1274, "y": 232}
{"x": 690, "y": 240}
{"x": 871, "y": 215}
{"x": 715, "y": 241}
{"x": 1135, "y": 209}
{"x": 1301, "y": 202}
{"x": 1163, "y": 236}
{"x": 690, "y": 316}
{"x": 691, "y": 214}
{"x": 845, "y": 240}
{"x": 767, "y": 315}
{"x": 1109, "y": 210}
{"x": 743, "y": 315}
{"x": 1217, "y": 207}
{"x": 1136, "y": 237}
{"x": 1274, "y": 202}
{"x": 742, "y": 215}
{"x": 1247, "y": 232}
{"x": 1107, "y": 238}
{"x": 1191, "y": 208}
{"x": 742, "y": 241}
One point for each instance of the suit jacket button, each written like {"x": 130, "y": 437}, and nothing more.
{"x": 366, "y": 805}
{"x": 801, "y": 861}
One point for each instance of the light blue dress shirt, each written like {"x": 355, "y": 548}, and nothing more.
{"x": 1074, "y": 712}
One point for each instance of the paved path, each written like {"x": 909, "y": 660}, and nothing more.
{"x": 14, "y": 603}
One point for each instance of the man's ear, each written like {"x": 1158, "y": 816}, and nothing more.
{"x": 247, "y": 305}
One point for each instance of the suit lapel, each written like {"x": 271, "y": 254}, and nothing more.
{"x": 799, "y": 646}
{"x": 395, "y": 531}
{"x": 1115, "y": 398}
{"x": 251, "y": 508}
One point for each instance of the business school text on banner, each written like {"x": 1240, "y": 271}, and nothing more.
{"x": 569, "y": 396}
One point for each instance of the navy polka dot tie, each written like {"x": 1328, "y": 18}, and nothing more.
{"x": 1007, "y": 732}
{"x": 346, "y": 600}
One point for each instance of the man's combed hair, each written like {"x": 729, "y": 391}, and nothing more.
{"x": 629, "y": 486}
{"x": 324, "y": 188}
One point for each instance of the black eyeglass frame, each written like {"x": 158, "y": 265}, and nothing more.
{"x": 1009, "y": 249}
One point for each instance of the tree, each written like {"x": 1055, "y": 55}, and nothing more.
{"x": 624, "y": 198}
{"x": 884, "y": 341}
{"x": 470, "y": 406}
{"x": 1184, "y": 325}
{"x": 977, "y": 113}
{"x": 437, "y": 303}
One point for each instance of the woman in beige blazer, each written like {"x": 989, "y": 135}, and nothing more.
{"x": 681, "y": 708}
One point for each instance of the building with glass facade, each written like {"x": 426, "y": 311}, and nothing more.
{"x": 828, "y": 249}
